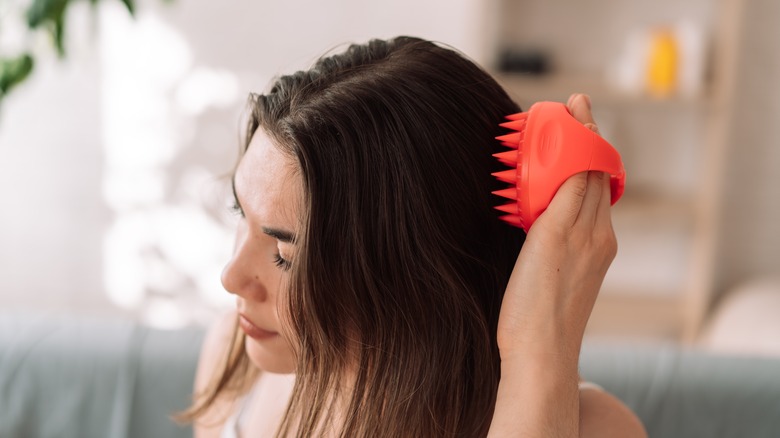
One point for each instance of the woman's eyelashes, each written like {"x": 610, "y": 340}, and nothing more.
{"x": 281, "y": 263}
{"x": 236, "y": 208}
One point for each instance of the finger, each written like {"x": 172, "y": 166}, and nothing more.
{"x": 567, "y": 202}
{"x": 571, "y": 99}
{"x": 580, "y": 107}
{"x": 592, "y": 200}
{"x": 604, "y": 213}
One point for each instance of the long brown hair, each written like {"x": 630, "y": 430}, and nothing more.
{"x": 401, "y": 262}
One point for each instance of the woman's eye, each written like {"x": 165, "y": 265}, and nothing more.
{"x": 281, "y": 263}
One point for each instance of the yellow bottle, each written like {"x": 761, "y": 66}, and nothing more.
{"x": 662, "y": 65}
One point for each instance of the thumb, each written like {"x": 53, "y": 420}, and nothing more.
{"x": 580, "y": 108}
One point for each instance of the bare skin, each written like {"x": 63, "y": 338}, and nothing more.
{"x": 548, "y": 301}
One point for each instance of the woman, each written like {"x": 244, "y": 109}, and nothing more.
{"x": 370, "y": 265}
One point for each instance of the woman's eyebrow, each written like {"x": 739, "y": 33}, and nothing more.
{"x": 280, "y": 235}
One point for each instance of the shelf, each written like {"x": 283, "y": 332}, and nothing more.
{"x": 639, "y": 209}
{"x": 663, "y": 278}
{"x": 655, "y": 242}
{"x": 527, "y": 89}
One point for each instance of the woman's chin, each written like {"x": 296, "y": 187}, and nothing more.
{"x": 272, "y": 357}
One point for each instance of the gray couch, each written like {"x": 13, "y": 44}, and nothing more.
{"x": 688, "y": 393}
{"x": 83, "y": 378}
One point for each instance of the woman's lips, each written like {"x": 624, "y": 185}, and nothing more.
{"x": 254, "y": 331}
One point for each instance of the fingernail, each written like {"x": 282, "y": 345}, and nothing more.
{"x": 593, "y": 127}
{"x": 587, "y": 100}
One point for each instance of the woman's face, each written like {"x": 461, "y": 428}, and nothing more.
{"x": 268, "y": 192}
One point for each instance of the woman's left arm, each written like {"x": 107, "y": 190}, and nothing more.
{"x": 547, "y": 304}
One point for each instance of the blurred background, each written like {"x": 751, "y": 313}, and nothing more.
{"x": 120, "y": 124}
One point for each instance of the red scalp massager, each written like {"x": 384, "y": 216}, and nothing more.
{"x": 550, "y": 145}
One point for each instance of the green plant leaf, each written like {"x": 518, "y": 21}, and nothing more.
{"x": 130, "y": 4}
{"x": 42, "y": 11}
{"x": 49, "y": 15}
{"x": 13, "y": 71}
{"x": 58, "y": 32}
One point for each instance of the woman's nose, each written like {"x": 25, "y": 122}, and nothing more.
{"x": 241, "y": 276}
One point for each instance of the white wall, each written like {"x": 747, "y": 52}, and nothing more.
{"x": 51, "y": 217}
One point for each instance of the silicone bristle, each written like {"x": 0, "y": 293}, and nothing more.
{"x": 518, "y": 116}
{"x": 510, "y": 208}
{"x": 510, "y": 193}
{"x": 509, "y": 176}
{"x": 513, "y": 138}
{"x": 517, "y": 125}
{"x": 512, "y": 219}
{"x": 517, "y": 122}
{"x": 509, "y": 158}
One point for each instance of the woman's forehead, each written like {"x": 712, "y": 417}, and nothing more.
{"x": 266, "y": 183}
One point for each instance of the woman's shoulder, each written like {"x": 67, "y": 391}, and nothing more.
{"x": 604, "y": 415}
{"x": 218, "y": 337}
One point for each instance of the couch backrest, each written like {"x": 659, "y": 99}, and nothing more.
{"x": 688, "y": 393}
{"x": 88, "y": 377}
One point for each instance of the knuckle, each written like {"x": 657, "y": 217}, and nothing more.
{"x": 579, "y": 187}
{"x": 605, "y": 240}
{"x": 610, "y": 244}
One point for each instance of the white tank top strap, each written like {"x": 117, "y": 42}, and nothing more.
{"x": 589, "y": 385}
{"x": 234, "y": 423}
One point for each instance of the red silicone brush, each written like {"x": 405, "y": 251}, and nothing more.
{"x": 548, "y": 147}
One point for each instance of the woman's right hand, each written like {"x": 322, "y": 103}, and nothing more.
{"x": 560, "y": 269}
{"x": 547, "y": 304}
